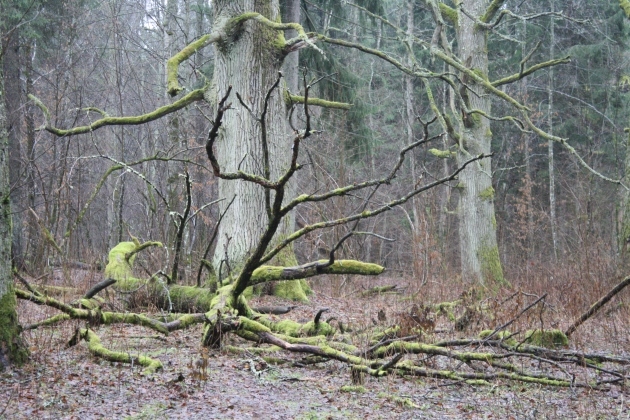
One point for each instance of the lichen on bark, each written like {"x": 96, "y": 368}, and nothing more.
{"x": 12, "y": 349}
{"x": 491, "y": 267}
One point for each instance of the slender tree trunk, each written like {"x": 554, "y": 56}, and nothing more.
{"x": 11, "y": 347}
{"x": 13, "y": 102}
{"x": 478, "y": 240}
{"x": 528, "y": 182}
{"x": 417, "y": 225}
{"x": 32, "y": 250}
{"x": 552, "y": 177}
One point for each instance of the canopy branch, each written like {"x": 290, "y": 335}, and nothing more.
{"x": 525, "y": 72}
{"x": 194, "y": 96}
{"x": 172, "y": 65}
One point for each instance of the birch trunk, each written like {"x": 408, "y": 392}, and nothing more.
{"x": 477, "y": 228}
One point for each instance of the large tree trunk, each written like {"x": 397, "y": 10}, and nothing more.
{"x": 477, "y": 229}
{"x": 250, "y": 62}
{"x": 11, "y": 349}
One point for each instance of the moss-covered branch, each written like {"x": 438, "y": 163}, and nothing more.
{"x": 491, "y": 11}
{"x": 448, "y": 13}
{"x": 194, "y": 96}
{"x": 172, "y": 65}
{"x": 267, "y": 273}
{"x": 363, "y": 215}
{"x": 518, "y": 76}
{"x": 96, "y": 348}
{"x": 121, "y": 258}
{"x": 302, "y": 37}
{"x": 47, "y": 235}
{"x": 318, "y": 102}
{"x": 570, "y": 149}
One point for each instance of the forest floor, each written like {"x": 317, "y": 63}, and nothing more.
{"x": 69, "y": 383}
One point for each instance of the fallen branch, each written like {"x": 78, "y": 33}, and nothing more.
{"x": 381, "y": 290}
{"x": 96, "y": 348}
{"x": 98, "y": 317}
{"x": 597, "y": 306}
{"x": 98, "y": 287}
{"x": 273, "y": 310}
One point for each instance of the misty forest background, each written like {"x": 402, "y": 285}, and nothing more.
{"x": 556, "y": 222}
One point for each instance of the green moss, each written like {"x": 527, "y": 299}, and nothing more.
{"x": 480, "y": 74}
{"x": 295, "y": 329}
{"x": 173, "y": 63}
{"x": 388, "y": 333}
{"x": 355, "y": 267}
{"x": 491, "y": 268}
{"x": 475, "y": 120}
{"x": 187, "y": 298}
{"x": 10, "y": 342}
{"x": 448, "y": 13}
{"x": 291, "y": 99}
{"x": 491, "y": 11}
{"x": 291, "y": 290}
{"x": 447, "y": 308}
{"x": 417, "y": 348}
{"x": 95, "y": 302}
{"x": 97, "y": 349}
{"x": 267, "y": 273}
{"x": 477, "y": 382}
{"x": 296, "y": 290}
{"x": 353, "y": 388}
{"x": 252, "y": 326}
{"x": 547, "y": 338}
{"x": 442, "y": 154}
{"x": 118, "y": 267}
{"x": 501, "y": 335}
{"x": 322, "y": 328}
{"x": 194, "y": 96}
{"x": 487, "y": 194}
{"x": 253, "y": 350}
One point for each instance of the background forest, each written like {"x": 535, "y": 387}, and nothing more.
{"x": 554, "y": 219}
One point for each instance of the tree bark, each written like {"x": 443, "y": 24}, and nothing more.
{"x": 477, "y": 229}
{"x": 12, "y": 103}
{"x": 249, "y": 61}
{"x": 11, "y": 347}
{"x": 552, "y": 177}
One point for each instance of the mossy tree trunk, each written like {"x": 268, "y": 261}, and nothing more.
{"x": 11, "y": 348}
{"x": 249, "y": 60}
{"x": 477, "y": 228}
